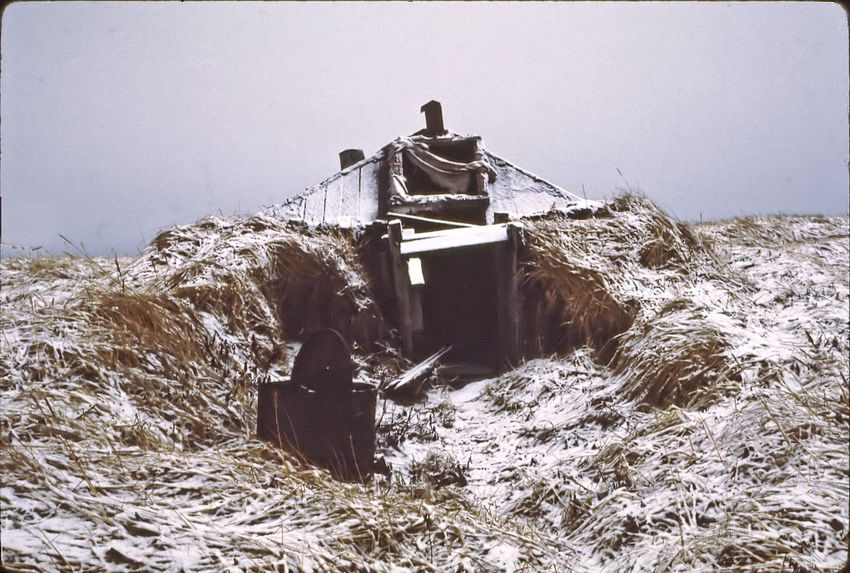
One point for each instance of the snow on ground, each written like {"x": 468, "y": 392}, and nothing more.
{"x": 759, "y": 478}
{"x": 716, "y": 438}
{"x": 129, "y": 405}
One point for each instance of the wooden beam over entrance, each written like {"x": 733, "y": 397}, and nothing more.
{"x": 429, "y": 220}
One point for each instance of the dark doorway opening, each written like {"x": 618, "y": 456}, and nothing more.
{"x": 459, "y": 306}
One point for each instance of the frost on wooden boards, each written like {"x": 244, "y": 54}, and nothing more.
{"x": 693, "y": 413}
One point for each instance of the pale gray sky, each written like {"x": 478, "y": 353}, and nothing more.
{"x": 119, "y": 119}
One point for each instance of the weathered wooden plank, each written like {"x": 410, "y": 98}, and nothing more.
{"x": 400, "y": 286}
{"x": 507, "y": 298}
{"x": 430, "y": 220}
{"x": 455, "y": 238}
{"x": 417, "y": 373}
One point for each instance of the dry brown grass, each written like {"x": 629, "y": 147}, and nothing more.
{"x": 129, "y": 393}
{"x": 677, "y": 358}
{"x": 313, "y": 291}
{"x": 606, "y": 283}
{"x": 579, "y": 277}
{"x": 129, "y": 390}
{"x": 141, "y": 323}
{"x": 568, "y": 306}
{"x": 308, "y": 279}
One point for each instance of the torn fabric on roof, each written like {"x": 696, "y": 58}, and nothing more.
{"x": 453, "y": 176}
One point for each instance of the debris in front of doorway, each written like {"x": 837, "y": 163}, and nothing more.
{"x": 411, "y": 381}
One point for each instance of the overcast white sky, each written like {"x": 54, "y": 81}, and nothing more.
{"x": 119, "y": 119}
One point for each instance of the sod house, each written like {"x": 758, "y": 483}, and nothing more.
{"x": 440, "y": 208}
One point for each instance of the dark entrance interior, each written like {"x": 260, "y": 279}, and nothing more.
{"x": 459, "y": 306}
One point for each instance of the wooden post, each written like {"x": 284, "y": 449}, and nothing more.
{"x": 400, "y": 285}
{"x": 507, "y": 298}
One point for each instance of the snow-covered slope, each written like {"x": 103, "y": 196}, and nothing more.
{"x": 716, "y": 439}
{"x": 695, "y": 416}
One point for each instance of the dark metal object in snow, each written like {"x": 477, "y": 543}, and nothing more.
{"x": 320, "y": 414}
{"x": 324, "y": 363}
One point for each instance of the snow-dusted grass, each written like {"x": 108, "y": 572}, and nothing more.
{"x": 695, "y": 418}
{"x": 716, "y": 439}
{"x": 128, "y": 399}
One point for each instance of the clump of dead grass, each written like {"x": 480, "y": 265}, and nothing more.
{"x": 307, "y": 278}
{"x": 581, "y": 278}
{"x": 666, "y": 243}
{"x": 676, "y": 358}
{"x": 569, "y": 306}
{"x": 314, "y": 288}
{"x": 139, "y": 324}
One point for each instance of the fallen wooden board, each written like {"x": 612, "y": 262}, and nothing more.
{"x": 416, "y": 373}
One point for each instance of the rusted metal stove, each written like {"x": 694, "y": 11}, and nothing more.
{"x": 320, "y": 414}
